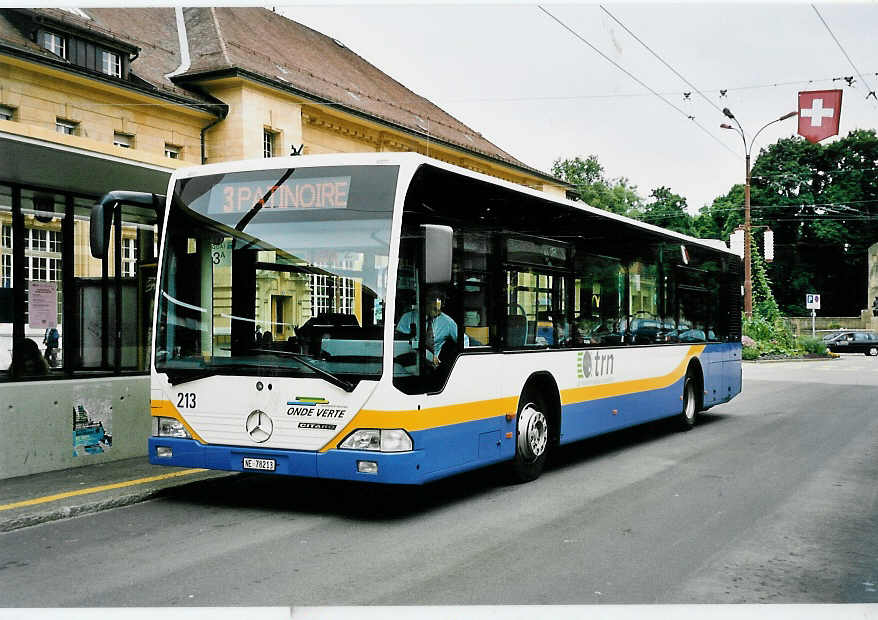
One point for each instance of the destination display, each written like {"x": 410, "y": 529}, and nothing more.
{"x": 293, "y": 194}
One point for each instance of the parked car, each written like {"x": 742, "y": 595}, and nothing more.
{"x": 833, "y": 336}
{"x": 855, "y": 342}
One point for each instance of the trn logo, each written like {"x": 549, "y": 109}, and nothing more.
{"x": 595, "y": 364}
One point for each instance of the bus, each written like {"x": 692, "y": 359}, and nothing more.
{"x": 391, "y": 318}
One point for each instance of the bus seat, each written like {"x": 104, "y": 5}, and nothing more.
{"x": 516, "y": 330}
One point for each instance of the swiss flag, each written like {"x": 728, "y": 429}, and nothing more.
{"x": 819, "y": 113}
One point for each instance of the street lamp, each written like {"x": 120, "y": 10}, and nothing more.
{"x": 748, "y": 283}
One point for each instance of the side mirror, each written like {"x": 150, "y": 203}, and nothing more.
{"x": 99, "y": 228}
{"x": 102, "y": 216}
{"x": 438, "y": 244}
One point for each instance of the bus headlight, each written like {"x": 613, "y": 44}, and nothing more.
{"x": 378, "y": 440}
{"x": 169, "y": 427}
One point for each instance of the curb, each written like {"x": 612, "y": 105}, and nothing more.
{"x": 64, "y": 512}
{"x": 28, "y": 518}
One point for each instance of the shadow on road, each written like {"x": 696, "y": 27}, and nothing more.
{"x": 370, "y": 502}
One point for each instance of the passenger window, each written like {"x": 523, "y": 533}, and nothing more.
{"x": 535, "y": 310}
{"x": 598, "y": 297}
{"x": 645, "y": 326}
{"x": 472, "y": 262}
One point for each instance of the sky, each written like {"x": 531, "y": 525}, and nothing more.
{"x": 528, "y": 77}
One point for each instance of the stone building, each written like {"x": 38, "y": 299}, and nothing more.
{"x": 98, "y": 99}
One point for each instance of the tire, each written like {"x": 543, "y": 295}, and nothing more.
{"x": 686, "y": 418}
{"x": 872, "y": 351}
{"x": 532, "y": 438}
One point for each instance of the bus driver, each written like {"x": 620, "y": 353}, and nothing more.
{"x": 440, "y": 327}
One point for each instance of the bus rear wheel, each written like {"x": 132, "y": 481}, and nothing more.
{"x": 686, "y": 418}
{"x": 532, "y": 438}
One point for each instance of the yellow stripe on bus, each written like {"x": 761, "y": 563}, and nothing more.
{"x": 607, "y": 390}
{"x": 418, "y": 420}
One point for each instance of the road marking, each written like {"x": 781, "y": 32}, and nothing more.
{"x": 105, "y": 487}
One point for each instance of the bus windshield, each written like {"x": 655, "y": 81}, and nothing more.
{"x": 279, "y": 272}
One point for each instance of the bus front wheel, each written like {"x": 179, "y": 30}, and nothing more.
{"x": 532, "y": 438}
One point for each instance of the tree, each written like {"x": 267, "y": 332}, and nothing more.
{"x": 587, "y": 176}
{"x": 667, "y": 210}
{"x": 719, "y": 219}
{"x": 822, "y": 203}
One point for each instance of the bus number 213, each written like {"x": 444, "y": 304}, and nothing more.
{"x": 186, "y": 400}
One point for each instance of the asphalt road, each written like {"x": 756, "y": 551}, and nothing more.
{"x": 772, "y": 498}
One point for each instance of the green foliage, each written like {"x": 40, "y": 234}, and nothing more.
{"x": 772, "y": 337}
{"x": 822, "y": 204}
{"x": 766, "y": 326}
{"x": 814, "y": 346}
{"x": 667, "y": 210}
{"x": 750, "y": 353}
{"x": 587, "y": 175}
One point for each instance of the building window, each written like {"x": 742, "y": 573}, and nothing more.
{"x": 42, "y": 255}
{"x": 5, "y": 256}
{"x": 6, "y": 113}
{"x": 5, "y": 270}
{"x": 268, "y": 143}
{"x": 66, "y": 127}
{"x": 124, "y": 140}
{"x": 171, "y": 151}
{"x": 111, "y": 63}
{"x": 319, "y": 295}
{"x": 129, "y": 257}
{"x": 55, "y": 43}
{"x": 323, "y": 295}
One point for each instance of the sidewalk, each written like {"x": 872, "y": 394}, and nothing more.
{"x": 29, "y": 500}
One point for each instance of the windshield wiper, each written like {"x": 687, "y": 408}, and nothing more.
{"x": 242, "y": 224}
{"x": 335, "y": 380}
{"x": 176, "y": 376}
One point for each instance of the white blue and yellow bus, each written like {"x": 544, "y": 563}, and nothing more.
{"x": 391, "y": 318}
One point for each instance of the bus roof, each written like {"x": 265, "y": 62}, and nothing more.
{"x": 413, "y": 160}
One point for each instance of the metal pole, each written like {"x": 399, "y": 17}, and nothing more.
{"x": 813, "y": 314}
{"x": 748, "y": 282}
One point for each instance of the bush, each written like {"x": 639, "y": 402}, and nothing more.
{"x": 815, "y": 346}
{"x": 750, "y": 353}
{"x": 772, "y": 336}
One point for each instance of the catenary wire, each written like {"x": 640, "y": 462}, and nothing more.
{"x": 843, "y": 51}
{"x": 638, "y": 80}
{"x": 662, "y": 60}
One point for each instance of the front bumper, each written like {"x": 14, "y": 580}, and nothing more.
{"x": 393, "y": 468}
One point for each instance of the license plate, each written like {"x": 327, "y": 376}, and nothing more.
{"x": 260, "y": 464}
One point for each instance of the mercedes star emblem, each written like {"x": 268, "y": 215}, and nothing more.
{"x": 259, "y": 426}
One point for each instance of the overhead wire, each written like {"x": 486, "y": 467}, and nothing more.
{"x": 662, "y": 60}
{"x": 843, "y": 51}
{"x": 638, "y": 80}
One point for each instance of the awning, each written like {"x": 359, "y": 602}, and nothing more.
{"x": 31, "y": 161}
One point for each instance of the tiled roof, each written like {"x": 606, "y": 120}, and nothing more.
{"x": 289, "y": 54}
{"x": 293, "y": 54}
